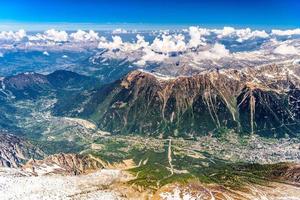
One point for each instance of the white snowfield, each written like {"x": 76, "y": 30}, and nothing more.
{"x": 17, "y": 185}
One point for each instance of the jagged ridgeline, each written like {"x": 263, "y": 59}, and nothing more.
{"x": 263, "y": 100}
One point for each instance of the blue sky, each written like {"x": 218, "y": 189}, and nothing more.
{"x": 210, "y": 13}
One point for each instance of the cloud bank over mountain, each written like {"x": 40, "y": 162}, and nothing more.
{"x": 194, "y": 44}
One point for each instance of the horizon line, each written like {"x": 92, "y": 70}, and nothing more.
{"x": 73, "y": 26}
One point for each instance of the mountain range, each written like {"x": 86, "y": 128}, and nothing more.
{"x": 262, "y": 100}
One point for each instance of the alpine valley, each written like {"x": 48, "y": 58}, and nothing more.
{"x": 177, "y": 114}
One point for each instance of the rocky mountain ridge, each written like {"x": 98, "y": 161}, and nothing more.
{"x": 68, "y": 164}
{"x": 262, "y": 100}
{"x": 15, "y": 151}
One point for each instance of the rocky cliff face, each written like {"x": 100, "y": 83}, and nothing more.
{"x": 71, "y": 164}
{"x": 288, "y": 172}
{"x": 263, "y": 100}
{"x": 15, "y": 151}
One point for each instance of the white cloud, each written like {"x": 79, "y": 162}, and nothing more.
{"x": 240, "y": 34}
{"x": 138, "y": 45}
{"x": 220, "y": 50}
{"x": 194, "y": 42}
{"x": 285, "y": 49}
{"x": 116, "y": 43}
{"x": 286, "y": 32}
{"x": 51, "y": 35}
{"x": 45, "y": 53}
{"x": 119, "y": 31}
{"x": 225, "y": 32}
{"x": 246, "y": 34}
{"x": 1, "y": 55}
{"x": 64, "y": 56}
{"x": 151, "y": 56}
{"x": 196, "y": 35}
{"x": 217, "y": 51}
{"x": 143, "y": 51}
{"x": 159, "y": 50}
{"x": 57, "y": 36}
{"x": 141, "y": 43}
{"x": 84, "y": 36}
{"x": 169, "y": 43}
{"x": 20, "y": 34}
{"x": 10, "y": 35}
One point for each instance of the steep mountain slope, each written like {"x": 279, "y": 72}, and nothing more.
{"x": 62, "y": 79}
{"x": 71, "y": 164}
{"x": 33, "y": 85}
{"x": 26, "y": 85}
{"x": 14, "y": 151}
{"x": 264, "y": 100}
{"x": 5, "y": 108}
